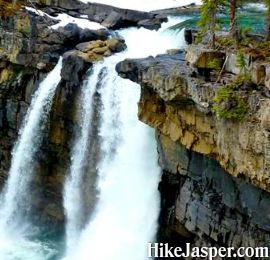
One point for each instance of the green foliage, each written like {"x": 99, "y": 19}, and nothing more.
{"x": 245, "y": 31}
{"x": 241, "y": 64}
{"x": 229, "y": 105}
{"x": 267, "y": 2}
{"x": 215, "y": 64}
{"x": 240, "y": 61}
{"x": 226, "y": 42}
{"x": 244, "y": 79}
{"x": 187, "y": 24}
{"x": 200, "y": 35}
{"x": 209, "y": 18}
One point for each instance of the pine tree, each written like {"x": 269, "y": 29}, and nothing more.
{"x": 209, "y": 19}
{"x": 233, "y": 27}
{"x": 267, "y": 36}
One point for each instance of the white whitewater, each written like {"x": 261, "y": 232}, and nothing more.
{"x": 73, "y": 203}
{"x": 125, "y": 218}
{"x": 16, "y": 196}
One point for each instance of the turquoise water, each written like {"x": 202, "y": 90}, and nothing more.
{"x": 251, "y": 17}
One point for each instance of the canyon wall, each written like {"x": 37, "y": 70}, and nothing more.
{"x": 215, "y": 185}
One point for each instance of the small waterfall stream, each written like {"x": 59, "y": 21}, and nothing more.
{"x": 15, "y": 225}
{"x": 73, "y": 196}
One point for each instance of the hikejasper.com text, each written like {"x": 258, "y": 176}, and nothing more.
{"x": 164, "y": 250}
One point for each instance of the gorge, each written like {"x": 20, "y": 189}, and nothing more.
{"x": 109, "y": 137}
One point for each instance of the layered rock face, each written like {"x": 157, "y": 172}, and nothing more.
{"x": 27, "y": 39}
{"x": 216, "y": 180}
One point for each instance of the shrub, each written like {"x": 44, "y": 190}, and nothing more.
{"x": 229, "y": 105}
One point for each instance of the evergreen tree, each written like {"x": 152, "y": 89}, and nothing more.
{"x": 233, "y": 26}
{"x": 267, "y": 37}
{"x": 209, "y": 19}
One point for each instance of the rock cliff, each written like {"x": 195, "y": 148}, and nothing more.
{"x": 215, "y": 186}
{"x": 214, "y": 154}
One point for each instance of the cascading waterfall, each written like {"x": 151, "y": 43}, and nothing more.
{"x": 73, "y": 201}
{"x": 16, "y": 196}
{"x": 125, "y": 217}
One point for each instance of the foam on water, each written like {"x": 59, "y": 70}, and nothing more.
{"x": 125, "y": 218}
{"x": 15, "y": 223}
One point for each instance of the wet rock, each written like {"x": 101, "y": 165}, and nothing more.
{"x": 74, "y": 66}
{"x": 116, "y": 45}
{"x": 181, "y": 10}
{"x": 101, "y": 50}
{"x": 113, "y": 21}
{"x": 97, "y": 50}
{"x": 89, "y": 46}
{"x": 110, "y": 16}
{"x": 153, "y": 24}
{"x": 175, "y": 51}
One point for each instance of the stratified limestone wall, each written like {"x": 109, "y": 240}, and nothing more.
{"x": 216, "y": 179}
{"x": 218, "y": 208}
{"x": 180, "y": 105}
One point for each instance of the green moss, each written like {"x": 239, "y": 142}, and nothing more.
{"x": 229, "y": 105}
{"x": 215, "y": 64}
{"x": 226, "y": 42}
{"x": 7, "y": 8}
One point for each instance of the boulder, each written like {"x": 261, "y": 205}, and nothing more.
{"x": 114, "y": 18}
{"x": 198, "y": 56}
{"x": 116, "y": 45}
{"x": 113, "y": 21}
{"x": 231, "y": 64}
{"x": 175, "y": 51}
{"x": 96, "y": 50}
{"x": 267, "y": 76}
{"x": 101, "y": 50}
{"x": 151, "y": 24}
{"x": 74, "y": 65}
{"x": 110, "y": 16}
{"x": 88, "y": 46}
{"x": 257, "y": 72}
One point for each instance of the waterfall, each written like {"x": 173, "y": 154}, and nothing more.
{"x": 73, "y": 197}
{"x": 125, "y": 216}
{"x": 16, "y": 196}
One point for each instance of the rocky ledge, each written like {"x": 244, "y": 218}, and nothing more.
{"x": 184, "y": 109}
{"x": 28, "y": 39}
{"x": 215, "y": 186}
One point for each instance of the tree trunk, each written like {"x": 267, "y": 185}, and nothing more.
{"x": 233, "y": 32}
{"x": 268, "y": 25}
{"x": 213, "y": 23}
